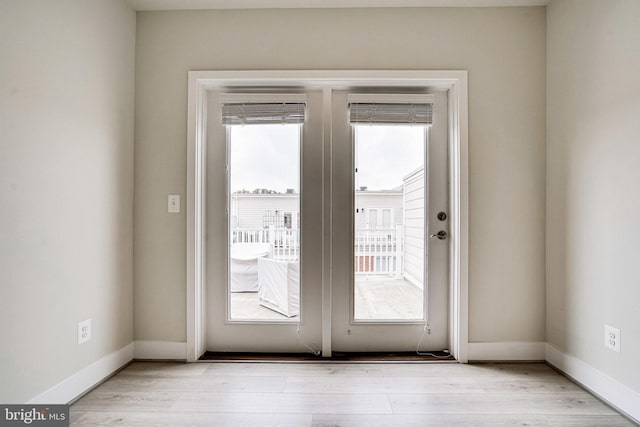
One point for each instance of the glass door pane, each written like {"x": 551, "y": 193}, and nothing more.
{"x": 389, "y": 244}
{"x": 264, "y": 243}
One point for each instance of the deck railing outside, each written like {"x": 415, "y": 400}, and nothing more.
{"x": 285, "y": 242}
{"x": 376, "y": 252}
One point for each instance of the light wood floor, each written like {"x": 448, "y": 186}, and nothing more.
{"x": 340, "y": 394}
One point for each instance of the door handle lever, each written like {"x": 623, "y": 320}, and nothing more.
{"x": 440, "y": 235}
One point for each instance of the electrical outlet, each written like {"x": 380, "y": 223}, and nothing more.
{"x": 84, "y": 331}
{"x": 612, "y": 338}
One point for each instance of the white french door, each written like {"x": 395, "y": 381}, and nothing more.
{"x": 390, "y": 281}
{"x": 263, "y": 274}
{"x": 275, "y": 202}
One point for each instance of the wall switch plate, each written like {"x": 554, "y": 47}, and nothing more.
{"x": 612, "y": 338}
{"x": 84, "y": 331}
{"x": 173, "y": 203}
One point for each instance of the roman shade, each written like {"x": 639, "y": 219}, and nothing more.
{"x": 262, "y": 113}
{"x": 391, "y": 113}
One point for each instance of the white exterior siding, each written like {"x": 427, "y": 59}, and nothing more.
{"x": 248, "y": 210}
{"x": 414, "y": 211}
{"x": 366, "y": 201}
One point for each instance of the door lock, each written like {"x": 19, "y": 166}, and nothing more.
{"x": 440, "y": 235}
{"x": 442, "y": 216}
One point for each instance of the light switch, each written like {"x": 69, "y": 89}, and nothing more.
{"x": 173, "y": 202}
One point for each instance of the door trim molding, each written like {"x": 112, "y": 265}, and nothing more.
{"x": 455, "y": 81}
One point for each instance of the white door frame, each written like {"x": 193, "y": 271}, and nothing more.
{"x": 454, "y": 81}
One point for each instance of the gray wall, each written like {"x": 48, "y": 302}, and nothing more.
{"x": 593, "y": 177}
{"x": 66, "y": 174}
{"x": 502, "y": 48}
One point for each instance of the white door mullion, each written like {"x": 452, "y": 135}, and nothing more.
{"x": 327, "y": 214}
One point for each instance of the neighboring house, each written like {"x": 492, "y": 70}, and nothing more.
{"x": 376, "y": 210}
{"x": 258, "y": 211}
{"x": 380, "y": 209}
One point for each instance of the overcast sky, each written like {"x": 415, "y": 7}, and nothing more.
{"x": 385, "y": 154}
{"x": 266, "y": 156}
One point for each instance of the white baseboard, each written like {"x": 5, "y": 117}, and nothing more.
{"x": 612, "y": 391}
{"x": 506, "y": 351}
{"x": 86, "y": 378}
{"x": 160, "y": 350}
{"x": 83, "y": 380}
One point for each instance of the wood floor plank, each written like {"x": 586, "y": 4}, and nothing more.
{"x": 212, "y": 383}
{"x": 496, "y": 403}
{"x": 554, "y": 384}
{"x": 373, "y": 385}
{"x": 515, "y": 371}
{"x": 290, "y": 403}
{"x": 294, "y": 369}
{"x": 98, "y": 400}
{"x": 176, "y": 419}
{"x": 475, "y": 420}
{"x": 323, "y": 384}
{"x": 589, "y": 421}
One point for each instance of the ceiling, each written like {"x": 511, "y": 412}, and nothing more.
{"x": 276, "y": 4}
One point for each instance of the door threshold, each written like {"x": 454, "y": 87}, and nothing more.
{"x": 374, "y": 357}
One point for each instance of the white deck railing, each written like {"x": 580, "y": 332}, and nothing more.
{"x": 376, "y": 252}
{"x": 285, "y": 242}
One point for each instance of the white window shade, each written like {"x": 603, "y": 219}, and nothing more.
{"x": 391, "y": 113}
{"x": 262, "y": 113}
